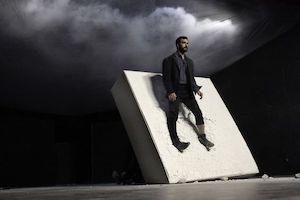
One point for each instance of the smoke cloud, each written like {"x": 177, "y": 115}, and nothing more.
{"x": 93, "y": 42}
{"x": 109, "y": 37}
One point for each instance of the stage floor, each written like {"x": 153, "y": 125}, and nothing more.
{"x": 244, "y": 189}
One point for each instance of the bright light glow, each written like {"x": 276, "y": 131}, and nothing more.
{"x": 101, "y": 29}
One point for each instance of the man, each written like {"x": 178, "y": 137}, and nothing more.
{"x": 179, "y": 81}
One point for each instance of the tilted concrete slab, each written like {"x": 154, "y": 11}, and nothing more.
{"x": 140, "y": 98}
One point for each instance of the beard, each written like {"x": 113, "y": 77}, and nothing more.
{"x": 183, "y": 50}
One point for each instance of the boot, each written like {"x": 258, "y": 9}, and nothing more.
{"x": 181, "y": 145}
{"x": 202, "y": 137}
{"x": 203, "y": 140}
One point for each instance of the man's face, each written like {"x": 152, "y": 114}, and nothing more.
{"x": 183, "y": 45}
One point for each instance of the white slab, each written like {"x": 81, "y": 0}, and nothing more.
{"x": 140, "y": 98}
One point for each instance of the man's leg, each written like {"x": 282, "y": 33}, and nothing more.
{"x": 171, "y": 121}
{"x": 193, "y": 106}
{"x": 172, "y": 118}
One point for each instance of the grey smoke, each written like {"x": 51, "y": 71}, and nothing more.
{"x": 78, "y": 48}
{"x": 112, "y": 39}
{"x": 89, "y": 44}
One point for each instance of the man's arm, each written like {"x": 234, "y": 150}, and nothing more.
{"x": 166, "y": 72}
{"x": 195, "y": 87}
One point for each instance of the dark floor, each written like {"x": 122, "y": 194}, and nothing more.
{"x": 247, "y": 189}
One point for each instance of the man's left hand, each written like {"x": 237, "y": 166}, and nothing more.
{"x": 200, "y": 94}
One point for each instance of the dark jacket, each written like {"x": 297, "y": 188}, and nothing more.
{"x": 170, "y": 71}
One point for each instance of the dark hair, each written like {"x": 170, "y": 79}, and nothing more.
{"x": 179, "y": 38}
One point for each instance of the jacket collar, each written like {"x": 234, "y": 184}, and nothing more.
{"x": 177, "y": 54}
{"x": 174, "y": 55}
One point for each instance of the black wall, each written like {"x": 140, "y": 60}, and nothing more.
{"x": 40, "y": 150}
{"x": 262, "y": 93}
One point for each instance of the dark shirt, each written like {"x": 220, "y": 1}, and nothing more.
{"x": 182, "y": 68}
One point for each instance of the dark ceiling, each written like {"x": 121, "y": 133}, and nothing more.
{"x": 63, "y": 56}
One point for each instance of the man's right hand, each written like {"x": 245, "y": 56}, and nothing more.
{"x": 172, "y": 96}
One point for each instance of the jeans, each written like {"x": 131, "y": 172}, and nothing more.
{"x": 183, "y": 96}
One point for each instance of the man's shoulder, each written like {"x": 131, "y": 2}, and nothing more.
{"x": 170, "y": 56}
{"x": 188, "y": 58}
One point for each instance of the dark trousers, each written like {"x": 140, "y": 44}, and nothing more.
{"x": 183, "y": 96}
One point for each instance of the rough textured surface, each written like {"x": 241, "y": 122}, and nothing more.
{"x": 230, "y": 157}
